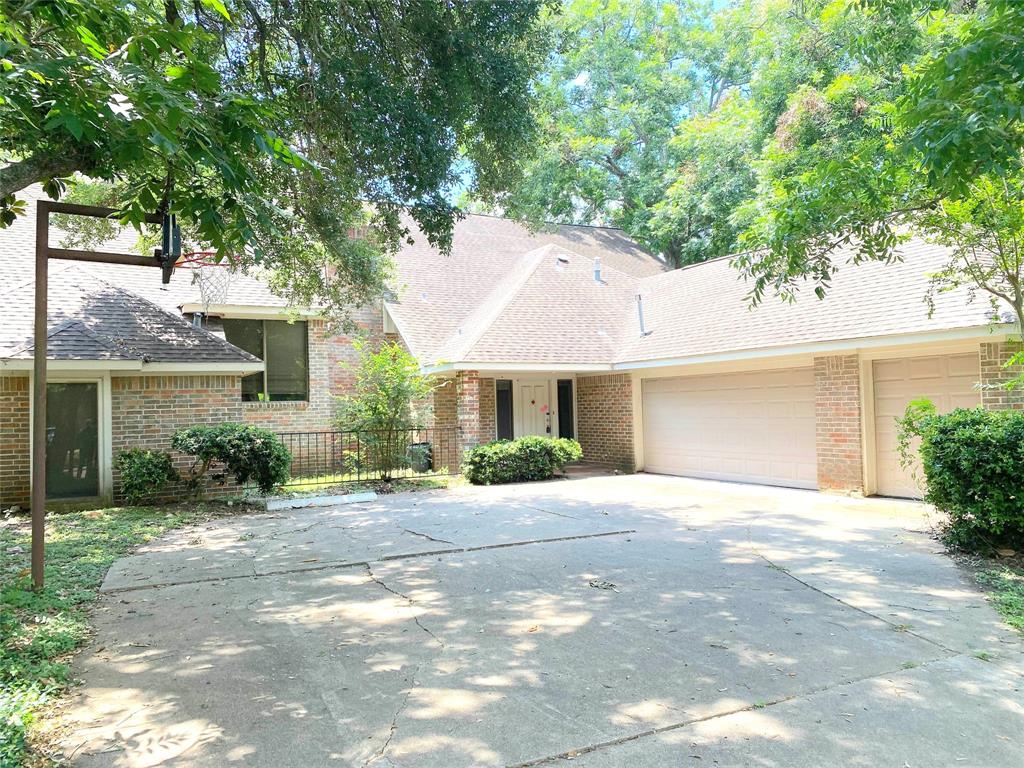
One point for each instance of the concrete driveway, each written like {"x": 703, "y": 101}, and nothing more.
{"x": 616, "y": 621}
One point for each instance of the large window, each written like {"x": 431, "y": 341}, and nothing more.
{"x": 283, "y": 348}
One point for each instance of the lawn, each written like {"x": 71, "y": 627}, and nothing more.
{"x": 39, "y": 631}
{"x": 1006, "y": 592}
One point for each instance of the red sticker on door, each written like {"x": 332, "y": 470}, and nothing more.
{"x": 543, "y": 409}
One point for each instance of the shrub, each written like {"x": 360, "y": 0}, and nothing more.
{"x": 388, "y": 402}
{"x": 144, "y": 474}
{"x": 973, "y": 463}
{"x": 249, "y": 453}
{"x": 513, "y": 461}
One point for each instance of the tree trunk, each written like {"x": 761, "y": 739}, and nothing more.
{"x": 34, "y": 169}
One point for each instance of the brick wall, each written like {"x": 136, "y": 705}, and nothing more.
{"x": 993, "y": 374}
{"x": 604, "y": 412}
{"x": 147, "y": 410}
{"x": 332, "y": 362}
{"x": 445, "y": 421}
{"x": 467, "y": 410}
{"x": 14, "y": 441}
{"x": 488, "y": 417}
{"x": 838, "y": 418}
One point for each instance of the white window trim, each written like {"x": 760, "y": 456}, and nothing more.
{"x": 104, "y": 428}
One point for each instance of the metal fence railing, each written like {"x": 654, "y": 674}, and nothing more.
{"x": 334, "y": 458}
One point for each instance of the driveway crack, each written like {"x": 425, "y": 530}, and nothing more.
{"x": 599, "y": 746}
{"x": 394, "y": 720}
{"x": 426, "y": 536}
{"x": 405, "y": 597}
{"x": 900, "y": 627}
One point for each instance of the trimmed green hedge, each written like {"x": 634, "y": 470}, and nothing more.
{"x": 144, "y": 474}
{"x": 973, "y": 463}
{"x": 515, "y": 461}
{"x": 250, "y": 453}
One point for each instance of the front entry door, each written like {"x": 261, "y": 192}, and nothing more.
{"x": 534, "y": 408}
{"x": 72, "y": 441}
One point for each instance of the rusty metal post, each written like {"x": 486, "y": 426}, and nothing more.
{"x": 39, "y": 397}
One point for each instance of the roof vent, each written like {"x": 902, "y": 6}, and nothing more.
{"x": 597, "y": 270}
{"x": 640, "y": 315}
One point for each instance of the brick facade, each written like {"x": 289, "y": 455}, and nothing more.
{"x": 332, "y": 363}
{"x": 604, "y": 419}
{"x": 993, "y": 374}
{"x": 488, "y": 416}
{"x": 147, "y": 410}
{"x": 14, "y": 441}
{"x": 837, "y": 407}
{"x": 445, "y": 421}
{"x": 467, "y": 410}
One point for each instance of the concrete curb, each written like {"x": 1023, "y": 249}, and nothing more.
{"x": 319, "y": 501}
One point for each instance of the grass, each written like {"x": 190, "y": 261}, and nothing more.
{"x": 341, "y": 484}
{"x": 40, "y": 631}
{"x": 1005, "y": 585}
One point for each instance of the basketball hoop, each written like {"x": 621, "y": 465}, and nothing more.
{"x": 213, "y": 278}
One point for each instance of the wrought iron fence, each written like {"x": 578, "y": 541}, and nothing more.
{"x": 334, "y": 458}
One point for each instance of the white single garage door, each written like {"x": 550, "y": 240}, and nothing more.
{"x": 755, "y": 427}
{"x": 947, "y": 380}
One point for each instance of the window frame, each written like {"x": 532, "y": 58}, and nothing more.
{"x": 265, "y": 373}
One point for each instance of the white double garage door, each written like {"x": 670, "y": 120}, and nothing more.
{"x": 760, "y": 426}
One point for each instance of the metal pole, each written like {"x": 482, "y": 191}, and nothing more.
{"x": 39, "y": 397}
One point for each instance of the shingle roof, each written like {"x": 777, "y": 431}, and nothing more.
{"x": 17, "y": 260}
{"x": 705, "y": 309}
{"x": 90, "y": 319}
{"x": 437, "y": 295}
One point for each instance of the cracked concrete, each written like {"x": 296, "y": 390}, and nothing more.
{"x": 748, "y": 627}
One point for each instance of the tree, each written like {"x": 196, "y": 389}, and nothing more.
{"x": 388, "y": 402}
{"x": 271, "y": 128}
{"x": 923, "y": 136}
{"x": 624, "y": 76}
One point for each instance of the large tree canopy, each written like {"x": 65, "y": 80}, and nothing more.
{"x": 920, "y": 133}
{"x": 624, "y": 75}
{"x": 272, "y": 128}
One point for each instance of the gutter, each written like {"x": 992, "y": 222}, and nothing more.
{"x": 998, "y": 332}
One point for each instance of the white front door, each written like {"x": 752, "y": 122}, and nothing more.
{"x": 534, "y": 408}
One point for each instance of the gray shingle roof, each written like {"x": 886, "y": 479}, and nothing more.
{"x": 437, "y": 295}
{"x": 17, "y": 259}
{"x": 705, "y": 309}
{"x": 90, "y": 319}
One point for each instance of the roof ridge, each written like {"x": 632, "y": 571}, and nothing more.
{"x": 526, "y": 222}
{"x": 490, "y": 308}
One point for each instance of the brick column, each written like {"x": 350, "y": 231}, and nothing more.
{"x": 604, "y": 419}
{"x": 838, "y": 421}
{"x": 995, "y": 397}
{"x": 467, "y": 409}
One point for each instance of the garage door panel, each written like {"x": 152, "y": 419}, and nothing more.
{"x": 947, "y": 380}
{"x": 753, "y": 427}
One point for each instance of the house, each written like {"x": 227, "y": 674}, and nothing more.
{"x": 573, "y": 331}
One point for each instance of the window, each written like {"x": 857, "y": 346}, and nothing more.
{"x": 566, "y": 427}
{"x": 283, "y": 347}
{"x": 503, "y": 408}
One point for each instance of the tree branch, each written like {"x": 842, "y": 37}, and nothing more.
{"x": 34, "y": 169}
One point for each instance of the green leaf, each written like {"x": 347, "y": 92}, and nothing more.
{"x": 91, "y": 42}
{"x": 218, "y": 6}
